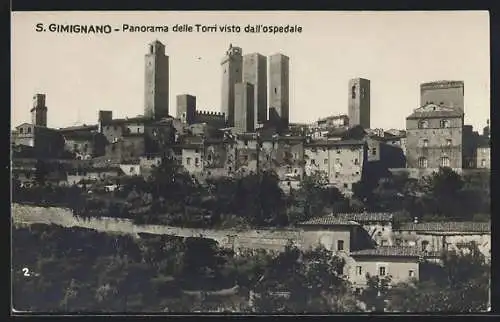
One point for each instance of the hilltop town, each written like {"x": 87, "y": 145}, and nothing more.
{"x": 387, "y": 203}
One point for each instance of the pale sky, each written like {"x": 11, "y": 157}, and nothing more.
{"x": 82, "y": 74}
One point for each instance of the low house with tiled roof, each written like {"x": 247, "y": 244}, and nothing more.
{"x": 377, "y": 224}
{"x": 339, "y": 235}
{"x": 397, "y": 262}
{"x": 439, "y": 236}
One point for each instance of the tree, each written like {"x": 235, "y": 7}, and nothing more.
{"x": 460, "y": 284}
{"x": 376, "y": 293}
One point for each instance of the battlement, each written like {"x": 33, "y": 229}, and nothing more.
{"x": 210, "y": 113}
{"x": 441, "y": 84}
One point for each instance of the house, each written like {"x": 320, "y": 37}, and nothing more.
{"x": 378, "y": 225}
{"x": 338, "y": 235}
{"x": 439, "y": 236}
{"x": 399, "y": 263}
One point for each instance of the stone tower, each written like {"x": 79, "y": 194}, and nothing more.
{"x": 444, "y": 93}
{"x": 255, "y": 73}
{"x": 156, "y": 89}
{"x": 279, "y": 86}
{"x": 186, "y": 108}
{"x": 244, "y": 113}
{"x": 232, "y": 71}
{"x": 39, "y": 111}
{"x": 359, "y": 102}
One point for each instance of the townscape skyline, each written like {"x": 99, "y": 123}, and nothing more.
{"x": 106, "y": 72}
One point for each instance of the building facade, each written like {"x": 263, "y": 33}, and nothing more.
{"x": 186, "y": 108}
{"x": 434, "y": 137}
{"x": 279, "y": 86}
{"x": 156, "y": 87}
{"x": 446, "y": 92}
{"x": 232, "y": 73}
{"x": 359, "y": 102}
{"x": 255, "y": 73}
{"x": 244, "y": 107}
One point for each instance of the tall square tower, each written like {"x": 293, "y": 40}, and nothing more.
{"x": 255, "y": 73}
{"x": 359, "y": 102}
{"x": 186, "y": 108}
{"x": 244, "y": 105}
{"x": 156, "y": 89}
{"x": 39, "y": 111}
{"x": 279, "y": 86}
{"x": 232, "y": 71}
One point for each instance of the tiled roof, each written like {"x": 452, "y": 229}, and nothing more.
{"x": 441, "y": 111}
{"x": 329, "y": 220}
{"x": 335, "y": 143}
{"x": 366, "y": 217}
{"x": 390, "y": 251}
{"x": 450, "y": 226}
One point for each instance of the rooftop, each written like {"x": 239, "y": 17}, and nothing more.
{"x": 366, "y": 217}
{"x": 390, "y": 251}
{"x": 329, "y": 220}
{"x": 434, "y": 111}
{"x": 450, "y": 226}
{"x": 335, "y": 143}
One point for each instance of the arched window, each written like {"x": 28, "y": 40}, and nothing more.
{"x": 422, "y": 162}
{"x": 353, "y": 92}
{"x": 444, "y": 123}
{"x": 445, "y": 162}
{"x": 29, "y": 130}
{"x": 425, "y": 243}
{"x": 483, "y": 163}
{"x": 423, "y": 124}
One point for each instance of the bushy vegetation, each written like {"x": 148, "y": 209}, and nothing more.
{"x": 172, "y": 197}
{"x": 58, "y": 269}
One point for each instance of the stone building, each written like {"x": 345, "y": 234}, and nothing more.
{"x": 483, "y": 154}
{"x": 43, "y": 141}
{"x": 156, "y": 85}
{"x": 434, "y": 136}
{"x": 444, "y": 236}
{"x": 341, "y": 161}
{"x": 255, "y": 73}
{"x": 401, "y": 264}
{"x": 232, "y": 73}
{"x": 244, "y": 107}
{"x": 186, "y": 108}
{"x": 39, "y": 111}
{"x": 284, "y": 155}
{"x": 359, "y": 102}
{"x": 279, "y": 86}
{"x": 334, "y": 121}
{"x": 447, "y": 93}
{"x": 85, "y": 145}
{"x": 247, "y": 151}
{"x": 377, "y": 225}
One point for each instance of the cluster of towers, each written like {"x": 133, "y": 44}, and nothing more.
{"x": 245, "y": 87}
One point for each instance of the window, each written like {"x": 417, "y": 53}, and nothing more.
{"x": 359, "y": 270}
{"x": 411, "y": 273}
{"x": 313, "y": 162}
{"x": 383, "y": 242}
{"x": 422, "y": 162}
{"x": 483, "y": 163}
{"x": 132, "y": 169}
{"x": 381, "y": 271}
{"x": 337, "y": 174}
{"x": 196, "y": 161}
{"x": 138, "y": 130}
{"x": 21, "y": 130}
{"x": 337, "y": 161}
{"x": 325, "y": 161}
{"x": 363, "y": 92}
{"x": 246, "y": 143}
{"x": 356, "y": 161}
{"x": 425, "y": 143}
{"x": 196, "y": 151}
{"x": 448, "y": 142}
{"x": 444, "y": 123}
{"x": 188, "y": 161}
{"x": 275, "y": 90}
{"x": 29, "y": 130}
{"x": 423, "y": 124}
{"x": 338, "y": 151}
{"x": 346, "y": 185}
{"x": 425, "y": 243}
{"x": 374, "y": 151}
{"x": 340, "y": 245}
{"x": 445, "y": 162}
{"x": 399, "y": 242}
{"x": 353, "y": 92}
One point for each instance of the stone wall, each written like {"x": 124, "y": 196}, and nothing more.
{"x": 250, "y": 239}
